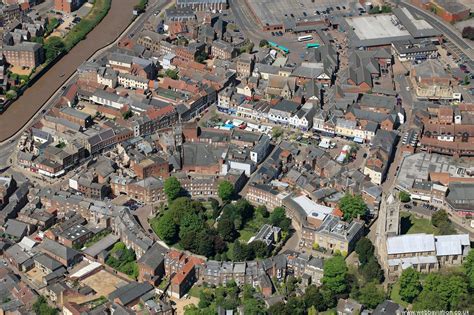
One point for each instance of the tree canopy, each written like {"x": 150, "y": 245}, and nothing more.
{"x": 371, "y": 295}
{"x": 53, "y": 47}
{"x": 441, "y": 220}
{"x": 278, "y": 218}
{"x": 364, "y": 250}
{"x": 41, "y": 307}
{"x": 335, "y": 274}
{"x": 172, "y": 188}
{"x": 469, "y": 268}
{"x": 404, "y": 196}
{"x": 225, "y": 190}
{"x": 352, "y": 206}
{"x": 441, "y": 292}
{"x": 410, "y": 286}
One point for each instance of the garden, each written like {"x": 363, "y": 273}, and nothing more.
{"x": 218, "y": 231}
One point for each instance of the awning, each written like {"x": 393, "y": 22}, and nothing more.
{"x": 358, "y": 140}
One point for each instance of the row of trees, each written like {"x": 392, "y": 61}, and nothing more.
{"x": 367, "y": 289}
{"x": 369, "y": 267}
{"x": 440, "y": 291}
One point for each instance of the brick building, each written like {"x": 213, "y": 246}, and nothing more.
{"x": 67, "y": 6}
{"x": 25, "y": 54}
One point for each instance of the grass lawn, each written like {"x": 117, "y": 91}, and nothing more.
{"x": 411, "y": 224}
{"x": 246, "y": 234}
{"x": 252, "y": 227}
{"x": 395, "y": 295}
{"x": 195, "y": 291}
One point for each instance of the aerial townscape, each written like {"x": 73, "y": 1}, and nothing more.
{"x": 236, "y": 157}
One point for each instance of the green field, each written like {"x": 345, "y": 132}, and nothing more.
{"x": 411, "y": 224}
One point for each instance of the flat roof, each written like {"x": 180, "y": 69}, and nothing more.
{"x": 275, "y": 12}
{"x": 312, "y": 208}
{"x": 375, "y": 30}
{"x": 420, "y": 165}
{"x": 417, "y": 27}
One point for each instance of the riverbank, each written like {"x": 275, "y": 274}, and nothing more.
{"x": 107, "y": 31}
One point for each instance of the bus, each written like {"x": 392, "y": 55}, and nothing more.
{"x": 305, "y": 38}
{"x": 282, "y": 49}
{"x": 312, "y": 45}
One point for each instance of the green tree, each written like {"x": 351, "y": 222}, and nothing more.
{"x": 313, "y": 297}
{"x": 240, "y": 251}
{"x": 205, "y": 298}
{"x": 254, "y": 306}
{"x": 295, "y": 306}
{"x": 352, "y": 206}
{"x": 41, "y": 307}
{"x": 128, "y": 114}
{"x": 201, "y": 56}
{"x": 469, "y": 268}
{"x": 439, "y": 217}
{"x": 429, "y": 300}
{"x": 466, "y": 80}
{"x": 166, "y": 229}
{"x": 226, "y": 229}
{"x": 190, "y": 223}
{"x": 244, "y": 209}
{"x": 442, "y": 292}
{"x": 410, "y": 286}
{"x": 279, "y": 308}
{"x": 225, "y": 190}
{"x": 53, "y": 47}
{"x": 364, "y": 249}
{"x": 172, "y": 74}
{"x": 441, "y": 220}
{"x": 262, "y": 210}
{"x": 188, "y": 241}
{"x": 371, "y": 271}
{"x": 52, "y": 24}
{"x": 259, "y": 248}
{"x": 263, "y": 43}
{"x": 371, "y": 295}
{"x": 335, "y": 275}
{"x": 278, "y": 218}
{"x": 205, "y": 243}
{"x": 172, "y": 188}
{"x": 277, "y": 132}
{"x": 404, "y": 196}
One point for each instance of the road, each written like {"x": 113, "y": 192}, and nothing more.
{"x": 20, "y": 112}
{"x": 449, "y": 31}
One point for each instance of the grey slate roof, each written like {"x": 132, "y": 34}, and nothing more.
{"x": 154, "y": 256}
{"x": 59, "y": 250}
{"x": 47, "y": 262}
{"x": 130, "y": 292}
